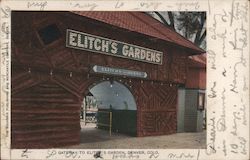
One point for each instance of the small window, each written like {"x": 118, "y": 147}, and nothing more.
{"x": 201, "y": 101}
{"x": 49, "y": 34}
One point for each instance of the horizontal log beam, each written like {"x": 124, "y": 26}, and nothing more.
{"x": 45, "y": 111}
{"x": 28, "y": 104}
{"x": 45, "y": 123}
{"x": 46, "y": 129}
{"x": 40, "y": 115}
{"x": 48, "y": 137}
{"x": 37, "y": 100}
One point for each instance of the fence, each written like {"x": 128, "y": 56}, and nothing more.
{"x": 93, "y": 116}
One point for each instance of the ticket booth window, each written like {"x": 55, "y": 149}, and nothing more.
{"x": 201, "y": 101}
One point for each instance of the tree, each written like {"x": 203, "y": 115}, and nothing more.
{"x": 171, "y": 19}
{"x": 191, "y": 25}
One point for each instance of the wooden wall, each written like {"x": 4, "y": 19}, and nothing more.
{"x": 45, "y": 107}
{"x": 32, "y": 52}
{"x": 44, "y": 115}
{"x": 156, "y": 108}
{"x": 203, "y": 78}
{"x": 196, "y": 78}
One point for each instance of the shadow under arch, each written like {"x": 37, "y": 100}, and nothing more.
{"x": 117, "y": 97}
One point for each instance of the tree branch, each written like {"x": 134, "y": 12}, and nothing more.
{"x": 203, "y": 36}
{"x": 162, "y": 18}
{"x": 198, "y": 40}
{"x": 171, "y": 19}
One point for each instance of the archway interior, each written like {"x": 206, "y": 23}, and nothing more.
{"x": 111, "y": 96}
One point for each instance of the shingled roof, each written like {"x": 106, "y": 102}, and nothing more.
{"x": 197, "y": 61}
{"x": 142, "y": 23}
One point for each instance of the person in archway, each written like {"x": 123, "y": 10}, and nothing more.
{"x": 110, "y": 107}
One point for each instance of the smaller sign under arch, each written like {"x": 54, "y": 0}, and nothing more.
{"x": 119, "y": 71}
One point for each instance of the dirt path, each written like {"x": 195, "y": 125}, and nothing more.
{"x": 92, "y": 138}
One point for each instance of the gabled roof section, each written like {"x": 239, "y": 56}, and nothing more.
{"x": 142, "y": 23}
{"x": 198, "y": 61}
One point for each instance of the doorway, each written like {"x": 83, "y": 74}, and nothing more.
{"x": 110, "y": 106}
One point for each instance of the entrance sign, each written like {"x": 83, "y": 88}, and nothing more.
{"x": 118, "y": 71}
{"x": 88, "y": 42}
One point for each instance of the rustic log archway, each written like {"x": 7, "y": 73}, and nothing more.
{"x": 156, "y": 105}
{"x": 115, "y": 96}
{"x": 38, "y": 65}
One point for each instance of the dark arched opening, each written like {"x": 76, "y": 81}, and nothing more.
{"x": 107, "y": 97}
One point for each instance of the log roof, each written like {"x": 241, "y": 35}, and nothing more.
{"x": 142, "y": 23}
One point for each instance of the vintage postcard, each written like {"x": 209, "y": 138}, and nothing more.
{"x": 125, "y": 80}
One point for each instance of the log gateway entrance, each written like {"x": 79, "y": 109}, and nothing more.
{"x": 109, "y": 105}
{"x": 57, "y": 56}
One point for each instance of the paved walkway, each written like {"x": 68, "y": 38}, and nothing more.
{"x": 92, "y": 138}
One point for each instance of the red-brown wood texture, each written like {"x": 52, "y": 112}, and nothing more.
{"x": 196, "y": 78}
{"x": 46, "y": 100}
{"x": 156, "y": 106}
{"x": 203, "y": 79}
{"x": 196, "y": 72}
{"x": 43, "y": 114}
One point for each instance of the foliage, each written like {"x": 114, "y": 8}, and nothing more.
{"x": 191, "y": 25}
